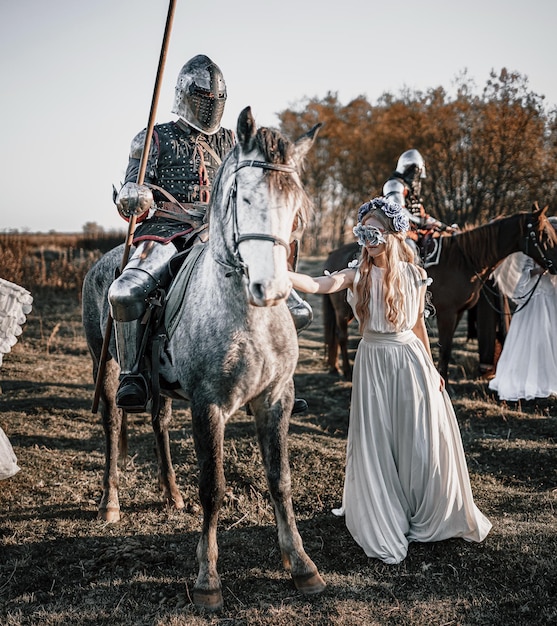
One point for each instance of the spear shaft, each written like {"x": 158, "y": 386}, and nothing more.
{"x": 140, "y": 178}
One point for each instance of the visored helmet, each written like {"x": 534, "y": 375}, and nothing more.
{"x": 411, "y": 166}
{"x": 200, "y": 94}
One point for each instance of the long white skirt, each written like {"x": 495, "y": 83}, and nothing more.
{"x": 8, "y": 460}
{"x": 527, "y": 367}
{"x": 406, "y": 473}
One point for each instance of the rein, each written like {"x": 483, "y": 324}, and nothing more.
{"x": 530, "y": 238}
{"x": 237, "y": 265}
{"x": 528, "y": 297}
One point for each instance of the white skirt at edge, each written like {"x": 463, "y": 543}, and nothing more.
{"x": 8, "y": 460}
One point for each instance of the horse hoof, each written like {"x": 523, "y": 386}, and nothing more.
{"x": 176, "y": 503}
{"x": 109, "y": 515}
{"x": 309, "y": 583}
{"x": 210, "y": 599}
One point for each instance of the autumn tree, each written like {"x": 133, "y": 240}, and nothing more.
{"x": 487, "y": 154}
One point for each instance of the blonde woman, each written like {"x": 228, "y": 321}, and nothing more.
{"x": 406, "y": 475}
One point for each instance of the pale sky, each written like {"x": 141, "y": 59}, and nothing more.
{"x": 77, "y": 77}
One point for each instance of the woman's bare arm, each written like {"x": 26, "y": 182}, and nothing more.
{"x": 329, "y": 283}
{"x": 420, "y": 329}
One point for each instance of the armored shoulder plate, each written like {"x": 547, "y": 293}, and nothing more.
{"x": 136, "y": 149}
{"x": 394, "y": 189}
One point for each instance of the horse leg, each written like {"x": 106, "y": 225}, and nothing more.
{"x": 446, "y": 326}
{"x": 488, "y": 323}
{"x": 166, "y": 473}
{"x": 342, "y": 326}
{"x": 332, "y": 355}
{"x": 115, "y": 431}
{"x": 330, "y": 333}
{"x": 208, "y": 434}
{"x": 272, "y": 431}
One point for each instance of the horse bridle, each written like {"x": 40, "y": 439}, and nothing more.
{"x": 532, "y": 238}
{"x": 237, "y": 265}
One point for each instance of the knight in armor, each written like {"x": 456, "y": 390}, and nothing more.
{"x": 170, "y": 208}
{"x": 404, "y": 187}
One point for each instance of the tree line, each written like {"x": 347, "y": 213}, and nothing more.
{"x": 487, "y": 154}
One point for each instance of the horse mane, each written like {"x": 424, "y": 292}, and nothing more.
{"x": 476, "y": 243}
{"x": 551, "y": 232}
{"x": 278, "y": 150}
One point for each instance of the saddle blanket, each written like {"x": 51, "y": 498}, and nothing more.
{"x": 177, "y": 292}
{"x": 433, "y": 252}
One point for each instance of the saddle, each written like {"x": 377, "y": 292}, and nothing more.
{"x": 429, "y": 245}
{"x": 163, "y": 308}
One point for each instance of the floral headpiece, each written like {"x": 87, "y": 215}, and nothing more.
{"x": 391, "y": 209}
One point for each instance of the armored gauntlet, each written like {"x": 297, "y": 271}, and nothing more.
{"x": 134, "y": 199}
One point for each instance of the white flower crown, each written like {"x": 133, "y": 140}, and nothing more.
{"x": 391, "y": 209}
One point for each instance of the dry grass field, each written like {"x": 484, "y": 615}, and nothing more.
{"x": 59, "y": 565}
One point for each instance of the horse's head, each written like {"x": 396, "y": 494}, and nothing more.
{"x": 264, "y": 201}
{"x": 540, "y": 239}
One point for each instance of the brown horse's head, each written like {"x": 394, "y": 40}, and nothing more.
{"x": 540, "y": 239}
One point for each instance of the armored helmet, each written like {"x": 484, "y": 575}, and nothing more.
{"x": 411, "y": 166}
{"x": 200, "y": 94}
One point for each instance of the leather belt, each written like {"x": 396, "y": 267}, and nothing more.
{"x": 185, "y": 212}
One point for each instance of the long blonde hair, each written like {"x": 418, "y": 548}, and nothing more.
{"x": 396, "y": 250}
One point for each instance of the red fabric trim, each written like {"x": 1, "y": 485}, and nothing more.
{"x": 138, "y": 219}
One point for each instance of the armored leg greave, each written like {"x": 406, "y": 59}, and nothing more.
{"x": 146, "y": 270}
{"x": 301, "y": 311}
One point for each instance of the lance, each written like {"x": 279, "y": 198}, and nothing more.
{"x": 140, "y": 179}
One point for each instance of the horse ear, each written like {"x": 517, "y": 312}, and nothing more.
{"x": 246, "y": 129}
{"x": 536, "y": 209}
{"x": 539, "y": 213}
{"x": 304, "y": 143}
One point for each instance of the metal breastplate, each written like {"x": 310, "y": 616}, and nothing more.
{"x": 184, "y": 168}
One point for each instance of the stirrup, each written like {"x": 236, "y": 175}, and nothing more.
{"x": 300, "y": 406}
{"x": 133, "y": 393}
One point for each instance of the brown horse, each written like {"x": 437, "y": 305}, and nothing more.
{"x": 488, "y": 322}
{"x": 337, "y": 313}
{"x": 465, "y": 263}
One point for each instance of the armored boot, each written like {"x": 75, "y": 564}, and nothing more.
{"x": 300, "y": 310}
{"x": 302, "y": 315}
{"x": 133, "y": 392}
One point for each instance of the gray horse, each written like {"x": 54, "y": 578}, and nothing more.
{"x": 233, "y": 343}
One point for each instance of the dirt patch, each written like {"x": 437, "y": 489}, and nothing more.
{"x": 59, "y": 565}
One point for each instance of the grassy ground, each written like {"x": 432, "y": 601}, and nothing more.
{"x": 60, "y": 566}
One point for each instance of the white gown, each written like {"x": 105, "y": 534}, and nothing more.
{"x": 527, "y": 367}
{"x": 406, "y": 473}
{"x": 8, "y": 460}
{"x": 15, "y": 304}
